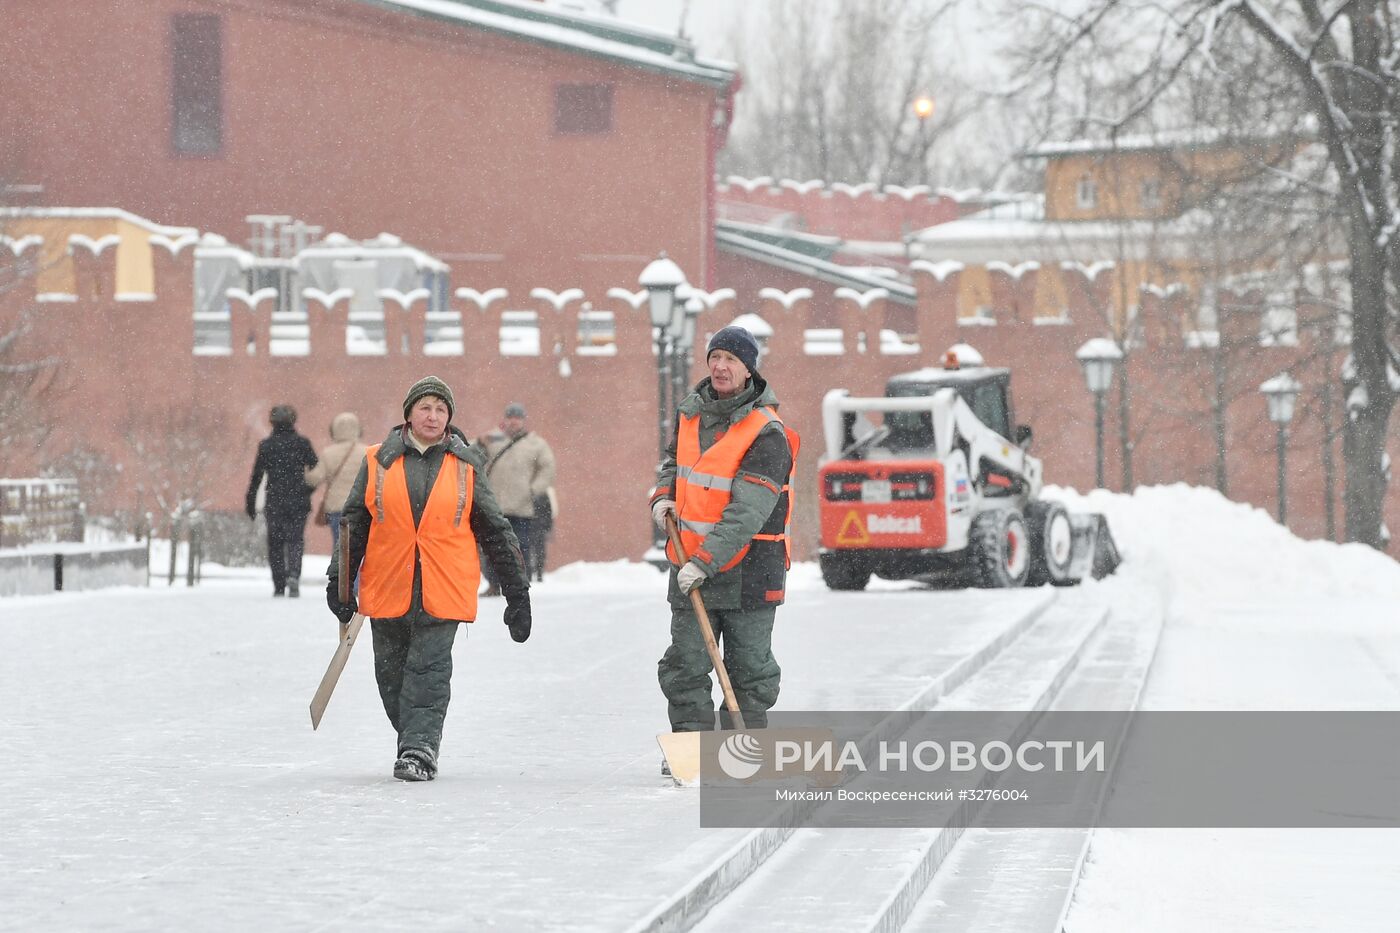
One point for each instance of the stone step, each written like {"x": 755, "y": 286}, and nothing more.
{"x": 857, "y": 879}
{"x": 1023, "y": 879}
{"x": 692, "y": 901}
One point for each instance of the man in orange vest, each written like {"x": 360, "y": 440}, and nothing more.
{"x": 727, "y": 479}
{"x": 416, "y": 513}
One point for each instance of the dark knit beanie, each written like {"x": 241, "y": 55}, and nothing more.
{"x": 282, "y": 416}
{"x": 428, "y": 385}
{"x": 736, "y": 340}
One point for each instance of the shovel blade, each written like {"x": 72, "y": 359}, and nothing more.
{"x": 683, "y": 754}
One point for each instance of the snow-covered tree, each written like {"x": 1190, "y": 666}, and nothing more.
{"x": 1335, "y": 79}
{"x": 29, "y": 377}
{"x": 830, "y": 93}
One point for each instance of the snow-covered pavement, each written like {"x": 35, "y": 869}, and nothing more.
{"x": 161, "y": 772}
{"x": 165, "y": 773}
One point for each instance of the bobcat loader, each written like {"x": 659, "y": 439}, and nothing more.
{"x": 942, "y": 489}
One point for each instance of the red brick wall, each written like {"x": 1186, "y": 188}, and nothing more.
{"x": 853, "y": 212}
{"x": 363, "y": 120}
{"x": 123, "y": 357}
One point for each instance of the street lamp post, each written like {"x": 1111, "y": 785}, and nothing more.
{"x": 1282, "y": 394}
{"x": 923, "y": 109}
{"x": 1098, "y": 357}
{"x": 662, "y": 279}
{"x": 683, "y": 345}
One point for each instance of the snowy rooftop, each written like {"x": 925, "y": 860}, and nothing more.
{"x": 602, "y": 36}
{"x": 734, "y": 239}
{"x": 1020, "y": 229}
{"x": 1197, "y": 137}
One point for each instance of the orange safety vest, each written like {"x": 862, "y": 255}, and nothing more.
{"x": 442, "y": 543}
{"x": 704, "y": 482}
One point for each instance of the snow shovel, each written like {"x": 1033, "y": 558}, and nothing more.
{"x": 682, "y": 749}
{"x": 348, "y": 632}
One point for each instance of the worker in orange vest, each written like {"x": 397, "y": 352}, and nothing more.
{"x": 416, "y": 513}
{"x": 727, "y": 478}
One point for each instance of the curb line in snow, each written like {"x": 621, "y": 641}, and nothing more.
{"x": 688, "y": 906}
{"x": 898, "y": 907}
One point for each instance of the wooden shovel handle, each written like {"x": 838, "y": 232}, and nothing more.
{"x": 707, "y": 632}
{"x": 345, "y": 571}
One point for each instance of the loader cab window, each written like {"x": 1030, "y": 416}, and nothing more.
{"x": 909, "y": 430}
{"x": 988, "y": 402}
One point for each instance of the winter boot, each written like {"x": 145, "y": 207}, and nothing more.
{"x": 294, "y": 588}
{"x": 665, "y": 767}
{"x": 413, "y": 765}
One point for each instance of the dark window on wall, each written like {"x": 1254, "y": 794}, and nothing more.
{"x": 196, "y": 84}
{"x": 583, "y": 109}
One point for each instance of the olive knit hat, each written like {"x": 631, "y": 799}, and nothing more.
{"x": 428, "y": 385}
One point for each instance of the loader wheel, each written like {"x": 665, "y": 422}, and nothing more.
{"x": 1000, "y": 549}
{"x": 844, "y": 571}
{"x": 1052, "y": 543}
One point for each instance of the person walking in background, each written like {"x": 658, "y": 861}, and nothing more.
{"x": 541, "y": 530}
{"x": 520, "y": 468}
{"x": 284, "y": 456}
{"x": 336, "y": 471}
{"x": 727, "y": 480}
{"x": 415, "y": 516}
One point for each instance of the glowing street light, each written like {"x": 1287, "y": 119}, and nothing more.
{"x": 923, "y": 109}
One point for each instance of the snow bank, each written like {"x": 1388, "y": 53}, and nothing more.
{"x": 1200, "y": 544}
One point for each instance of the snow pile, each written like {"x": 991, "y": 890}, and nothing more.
{"x": 612, "y": 576}
{"x": 1193, "y": 542}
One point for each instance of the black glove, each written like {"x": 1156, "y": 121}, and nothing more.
{"x": 518, "y": 615}
{"x": 342, "y": 611}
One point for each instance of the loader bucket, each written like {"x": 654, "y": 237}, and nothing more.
{"x": 1094, "y": 552}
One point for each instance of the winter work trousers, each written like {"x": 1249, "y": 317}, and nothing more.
{"x": 413, "y": 666}
{"x": 746, "y": 638}
{"x": 285, "y": 541}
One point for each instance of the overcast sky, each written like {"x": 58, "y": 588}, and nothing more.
{"x": 707, "y": 21}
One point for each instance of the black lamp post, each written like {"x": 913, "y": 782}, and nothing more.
{"x": 1098, "y": 357}
{"x": 662, "y": 279}
{"x": 1282, "y": 394}
{"x": 683, "y": 346}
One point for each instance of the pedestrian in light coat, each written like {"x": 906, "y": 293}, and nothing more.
{"x": 520, "y": 467}
{"x": 336, "y": 471}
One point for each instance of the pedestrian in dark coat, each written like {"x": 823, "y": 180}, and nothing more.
{"x": 734, "y": 508}
{"x": 284, "y": 456}
{"x": 416, "y": 514}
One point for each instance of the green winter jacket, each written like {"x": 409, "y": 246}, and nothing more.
{"x": 761, "y": 577}
{"x": 493, "y": 532}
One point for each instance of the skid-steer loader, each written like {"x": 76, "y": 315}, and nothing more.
{"x": 942, "y": 489}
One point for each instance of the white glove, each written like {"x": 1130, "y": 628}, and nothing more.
{"x": 660, "y": 509}
{"x": 689, "y": 577}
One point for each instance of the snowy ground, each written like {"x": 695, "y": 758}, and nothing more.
{"x": 162, "y": 771}
{"x": 1257, "y": 620}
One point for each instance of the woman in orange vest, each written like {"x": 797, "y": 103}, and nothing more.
{"x": 416, "y": 514}
{"x": 727, "y": 478}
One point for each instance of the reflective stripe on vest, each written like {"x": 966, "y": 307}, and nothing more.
{"x": 442, "y": 543}
{"x": 705, "y": 481}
